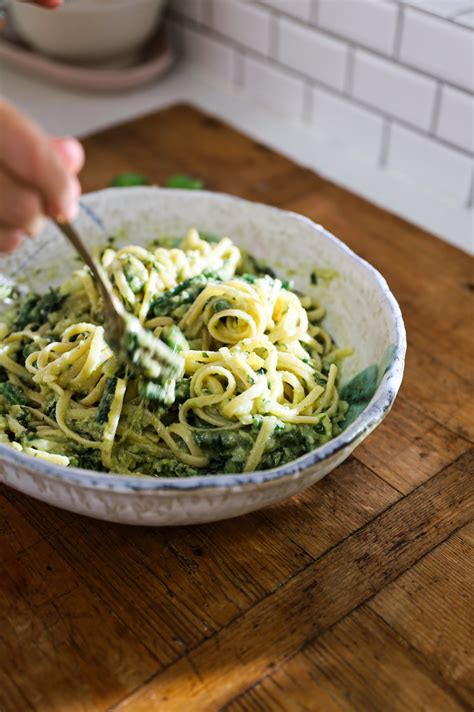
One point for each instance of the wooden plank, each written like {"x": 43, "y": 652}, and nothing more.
{"x": 164, "y": 143}
{"x": 16, "y": 533}
{"x": 265, "y": 608}
{"x": 442, "y": 393}
{"x": 389, "y": 242}
{"x": 60, "y": 646}
{"x": 183, "y": 140}
{"x": 297, "y": 685}
{"x": 437, "y": 298}
{"x": 309, "y": 604}
{"x": 467, "y": 534}
{"x": 335, "y": 507}
{"x": 410, "y": 446}
{"x": 360, "y": 664}
{"x": 431, "y": 607}
{"x": 176, "y": 587}
{"x": 44, "y": 518}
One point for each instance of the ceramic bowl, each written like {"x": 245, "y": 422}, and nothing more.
{"x": 362, "y": 312}
{"x": 88, "y": 31}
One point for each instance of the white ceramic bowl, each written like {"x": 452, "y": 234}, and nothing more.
{"x": 88, "y": 30}
{"x": 361, "y": 312}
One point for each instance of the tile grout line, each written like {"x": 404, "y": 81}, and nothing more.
{"x": 340, "y": 38}
{"x": 436, "y": 111}
{"x": 385, "y": 143}
{"x": 470, "y": 196}
{"x": 308, "y": 104}
{"x": 315, "y": 9}
{"x": 274, "y": 39}
{"x": 238, "y": 68}
{"x": 397, "y": 40}
{"x": 349, "y": 70}
{"x": 295, "y": 74}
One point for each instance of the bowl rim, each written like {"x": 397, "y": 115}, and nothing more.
{"x": 366, "y": 421}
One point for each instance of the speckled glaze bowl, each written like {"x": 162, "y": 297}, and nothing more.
{"x": 362, "y": 313}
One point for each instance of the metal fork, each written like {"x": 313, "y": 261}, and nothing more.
{"x": 133, "y": 345}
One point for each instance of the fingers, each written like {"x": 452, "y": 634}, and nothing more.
{"x": 37, "y": 176}
{"x": 9, "y": 240}
{"x": 51, "y": 4}
{"x": 20, "y": 205}
{"x": 71, "y": 153}
{"x": 28, "y": 155}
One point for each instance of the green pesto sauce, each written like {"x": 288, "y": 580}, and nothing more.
{"x": 228, "y": 450}
{"x": 323, "y": 273}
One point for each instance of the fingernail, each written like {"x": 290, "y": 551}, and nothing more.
{"x": 72, "y": 211}
{"x": 71, "y": 152}
{"x": 70, "y": 201}
{"x": 35, "y": 226}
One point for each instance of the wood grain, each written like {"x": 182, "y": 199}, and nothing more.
{"x": 354, "y": 595}
{"x": 310, "y": 603}
{"x": 443, "y": 631}
{"x": 410, "y": 446}
{"x": 420, "y": 269}
{"x": 360, "y": 664}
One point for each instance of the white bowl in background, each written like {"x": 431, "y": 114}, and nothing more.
{"x": 88, "y": 30}
{"x": 362, "y": 313}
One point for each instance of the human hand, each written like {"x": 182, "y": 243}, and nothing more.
{"x": 37, "y": 177}
{"x": 46, "y": 3}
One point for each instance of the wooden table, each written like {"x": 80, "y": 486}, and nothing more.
{"x": 352, "y": 596}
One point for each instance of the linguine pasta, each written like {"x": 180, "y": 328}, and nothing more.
{"x": 257, "y": 386}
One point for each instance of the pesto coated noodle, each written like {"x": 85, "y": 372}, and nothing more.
{"x": 258, "y": 385}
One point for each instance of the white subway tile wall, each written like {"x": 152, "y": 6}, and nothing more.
{"x": 442, "y": 8}
{"x": 243, "y": 22}
{"x": 368, "y": 22}
{"x": 274, "y": 87}
{"x": 312, "y": 53}
{"x": 209, "y": 53}
{"x": 440, "y": 48}
{"x": 302, "y": 9}
{"x": 456, "y": 118}
{"x": 389, "y": 79}
{"x": 424, "y": 159}
{"x": 339, "y": 118}
{"x": 466, "y": 18}
{"x": 393, "y": 89}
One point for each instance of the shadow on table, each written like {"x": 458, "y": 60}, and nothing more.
{"x": 96, "y": 609}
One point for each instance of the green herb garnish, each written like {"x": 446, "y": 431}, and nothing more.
{"x": 106, "y": 401}
{"x": 221, "y": 305}
{"x": 186, "y": 182}
{"x": 12, "y": 394}
{"x": 125, "y": 180}
{"x": 35, "y": 310}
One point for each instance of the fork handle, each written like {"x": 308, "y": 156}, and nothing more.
{"x": 77, "y": 243}
{"x": 72, "y": 235}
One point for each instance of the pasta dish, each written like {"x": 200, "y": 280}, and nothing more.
{"x": 256, "y": 386}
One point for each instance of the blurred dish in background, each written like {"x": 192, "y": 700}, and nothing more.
{"x": 89, "y": 31}
{"x": 153, "y": 61}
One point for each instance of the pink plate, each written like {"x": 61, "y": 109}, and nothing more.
{"x": 156, "y": 58}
